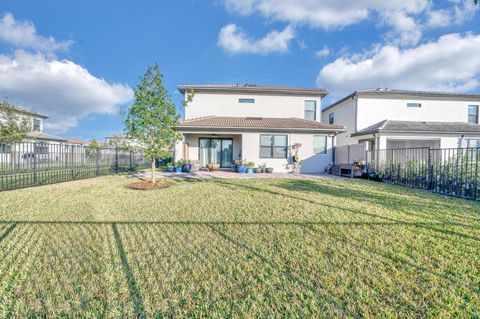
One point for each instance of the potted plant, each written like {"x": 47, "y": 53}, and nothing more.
{"x": 187, "y": 166}
{"x": 263, "y": 168}
{"x": 234, "y": 165}
{"x": 170, "y": 167}
{"x": 250, "y": 167}
{"x": 269, "y": 170}
{"x": 178, "y": 166}
{"x": 258, "y": 170}
{"x": 241, "y": 168}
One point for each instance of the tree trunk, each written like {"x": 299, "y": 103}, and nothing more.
{"x": 153, "y": 172}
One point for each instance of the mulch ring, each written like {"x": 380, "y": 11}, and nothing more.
{"x": 146, "y": 185}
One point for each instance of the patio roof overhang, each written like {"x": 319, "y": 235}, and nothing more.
{"x": 203, "y": 129}
{"x": 257, "y": 124}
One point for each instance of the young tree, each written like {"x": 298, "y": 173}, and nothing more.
{"x": 152, "y": 117}
{"x": 14, "y": 126}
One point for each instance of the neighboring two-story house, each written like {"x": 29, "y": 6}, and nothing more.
{"x": 254, "y": 123}
{"x": 393, "y": 119}
{"x": 37, "y": 124}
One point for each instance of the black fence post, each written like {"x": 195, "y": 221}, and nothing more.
{"x": 116, "y": 159}
{"x": 72, "y": 163}
{"x": 430, "y": 170}
{"x": 97, "y": 160}
{"x": 35, "y": 180}
{"x": 366, "y": 164}
{"x": 475, "y": 184}
{"x": 130, "y": 166}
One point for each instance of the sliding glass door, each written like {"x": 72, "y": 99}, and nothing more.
{"x": 216, "y": 151}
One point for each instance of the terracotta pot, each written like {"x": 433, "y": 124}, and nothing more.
{"x": 213, "y": 167}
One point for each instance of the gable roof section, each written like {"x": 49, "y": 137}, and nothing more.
{"x": 252, "y": 88}
{"x": 392, "y": 92}
{"x": 420, "y": 127}
{"x": 257, "y": 123}
{"x": 27, "y": 112}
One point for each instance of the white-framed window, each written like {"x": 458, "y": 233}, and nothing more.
{"x": 331, "y": 118}
{"x": 414, "y": 105}
{"x": 310, "y": 110}
{"x": 244, "y": 100}
{"x": 41, "y": 148}
{"x": 473, "y": 114}
{"x": 473, "y": 143}
{"x": 36, "y": 125}
{"x": 5, "y": 148}
{"x": 320, "y": 144}
{"x": 273, "y": 146}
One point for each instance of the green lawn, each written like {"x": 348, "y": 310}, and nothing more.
{"x": 238, "y": 248}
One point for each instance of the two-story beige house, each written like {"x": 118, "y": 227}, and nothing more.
{"x": 259, "y": 124}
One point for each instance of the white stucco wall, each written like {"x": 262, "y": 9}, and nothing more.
{"x": 248, "y": 145}
{"x": 266, "y": 105}
{"x": 31, "y": 119}
{"x": 311, "y": 162}
{"x": 372, "y": 110}
{"x": 344, "y": 114}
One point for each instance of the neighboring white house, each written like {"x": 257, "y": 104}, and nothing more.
{"x": 254, "y": 123}
{"x": 392, "y": 119}
{"x": 37, "y": 124}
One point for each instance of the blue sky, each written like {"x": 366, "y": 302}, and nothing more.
{"x": 77, "y": 61}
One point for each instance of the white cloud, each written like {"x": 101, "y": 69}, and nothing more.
{"x": 323, "y": 53}
{"x": 326, "y": 14}
{"x": 233, "y": 40}
{"x": 438, "y": 18}
{"x": 406, "y": 31}
{"x": 450, "y": 64}
{"x": 22, "y": 34}
{"x": 406, "y": 19}
{"x": 60, "y": 89}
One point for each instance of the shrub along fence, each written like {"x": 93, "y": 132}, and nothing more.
{"x": 28, "y": 164}
{"x": 450, "y": 171}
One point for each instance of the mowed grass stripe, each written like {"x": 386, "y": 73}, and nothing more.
{"x": 238, "y": 248}
{"x": 72, "y": 273}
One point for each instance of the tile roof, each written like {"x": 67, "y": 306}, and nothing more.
{"x": 36, "y": 135}
{"x": 419, "y": 126}
{"x": 258, "y": 123}
{"x": 253, "y": 88}
{"x": 73, "y": 140}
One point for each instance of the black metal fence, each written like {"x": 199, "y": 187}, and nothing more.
{"x": 35, "y": 163}
{"x": 450, "y": 171}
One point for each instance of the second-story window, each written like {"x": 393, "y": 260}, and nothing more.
{"x": 36, "y": 125}
{"x": 311, "y": 110}
{"x": 414, "y": 105}
{"x": 331, "y": 118}
{"x": 241, "y": 100}
{"x": 473, "y": 114}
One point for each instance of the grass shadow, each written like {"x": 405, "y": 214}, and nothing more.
{"x": 427, "y": 225}
{"x": 7, "y": 232}
{"x": 134, "y": 290}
